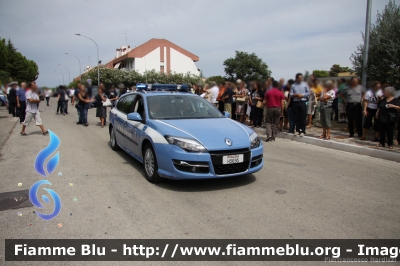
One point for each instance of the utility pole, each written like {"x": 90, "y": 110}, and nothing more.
{"x": 145, "y": 69}
{"x": 366, "y": 44}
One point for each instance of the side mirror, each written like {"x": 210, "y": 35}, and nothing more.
{"x": 227, "y": 114}
{"x": 134, "y": 117}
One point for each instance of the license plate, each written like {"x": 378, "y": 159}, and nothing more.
{"x": 231, "y": 159}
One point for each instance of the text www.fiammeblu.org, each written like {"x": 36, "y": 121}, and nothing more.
{"x": 234, "y": 250}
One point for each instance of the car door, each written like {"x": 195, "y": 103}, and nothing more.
{"x": 134, "y": 128}
{"x": 122, "y": 107}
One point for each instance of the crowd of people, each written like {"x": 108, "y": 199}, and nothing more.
{"x": 23, "y": 102}
{"x": 298, "y": 105}
{"x": 293, "y": 106}
{"x": 82, "y": 99}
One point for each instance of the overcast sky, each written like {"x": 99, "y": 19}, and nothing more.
{"x": 289, "y": 35}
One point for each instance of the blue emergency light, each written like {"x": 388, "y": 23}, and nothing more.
{"x": 162, "y": 87}
{"x": 141, "y": 87}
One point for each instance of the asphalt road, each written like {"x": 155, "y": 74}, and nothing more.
{"x": 326, "y": 193}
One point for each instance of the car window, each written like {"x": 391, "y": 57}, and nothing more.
{"x": 120, "y": 103}
{"x": 181, "y": 107}
{"x": 128, "y": 104}
{"x": 139, "y": 106}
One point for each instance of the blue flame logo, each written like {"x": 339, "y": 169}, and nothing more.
{"x": 45, "y": 153}
{"x": 40, "y": 169}
{"x": 35, "y": 201}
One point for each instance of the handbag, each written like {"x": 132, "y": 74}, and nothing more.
{"x": 240, "y": 99}
{"x": 107, "y": 103}
{"x": 260, "y": 105}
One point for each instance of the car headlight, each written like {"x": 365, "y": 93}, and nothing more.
{"x": 255, "y": 140}
{"x": 189, "y": 145}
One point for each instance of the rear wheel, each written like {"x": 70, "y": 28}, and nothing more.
{"x": 113, "y": 140}
{"x": 150, "y": 164}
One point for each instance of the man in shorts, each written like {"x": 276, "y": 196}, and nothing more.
{"x": 32, "y": 111}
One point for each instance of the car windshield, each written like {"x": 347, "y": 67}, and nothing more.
{"x": 181, "y": 107}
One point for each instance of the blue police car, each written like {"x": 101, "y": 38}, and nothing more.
{"x": 179, "y": 135}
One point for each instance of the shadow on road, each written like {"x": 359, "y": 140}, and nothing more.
{"x": 199, "y": 185}
{"x": 202, "y": 185}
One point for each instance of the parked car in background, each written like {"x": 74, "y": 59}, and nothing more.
{"x": 3, "y": 99}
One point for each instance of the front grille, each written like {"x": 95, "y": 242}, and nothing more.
{"x": 226, "y": 169}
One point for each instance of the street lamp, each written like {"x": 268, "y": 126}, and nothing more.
{"x": 58, "y": 79}
{"x": 145, "y": 68}
{"x": 98, "y": 61}
{"x": 62, "y": 75}
{"x": 366, "y": 44}
{"x": 69, "y": 73}
{"x": 80, "y": 70}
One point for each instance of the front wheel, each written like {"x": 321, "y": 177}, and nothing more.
{"x": 113, "y": 141}
{"x": 150, "y": 164}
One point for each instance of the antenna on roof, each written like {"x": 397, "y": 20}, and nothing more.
{"x": 126, "y": 36}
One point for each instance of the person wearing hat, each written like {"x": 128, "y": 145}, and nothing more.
{"x": 12, "y": 98}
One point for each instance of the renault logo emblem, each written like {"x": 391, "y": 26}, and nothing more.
{"x": 228, "y": 142}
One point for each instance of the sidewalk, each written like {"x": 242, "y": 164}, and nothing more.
{"x": 340, "y": 141}
{"x": 7, "y": 123}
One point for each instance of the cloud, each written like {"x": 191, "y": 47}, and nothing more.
{"x": 291, "y": 36}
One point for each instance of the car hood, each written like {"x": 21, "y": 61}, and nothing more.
{"x": 211, "y": 133}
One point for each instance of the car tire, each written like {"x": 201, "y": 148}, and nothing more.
{"x": 150, "y": 164}
{"x": 113, "y": 141}
{"x": 1, "y": 103}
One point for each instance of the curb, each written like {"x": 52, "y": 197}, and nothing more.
{"x": 376, "y": 153}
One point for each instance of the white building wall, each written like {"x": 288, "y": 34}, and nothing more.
{"x": 165, "y": 59}
{"x": 149, "y": 62}
{"x": 180, "y": 63}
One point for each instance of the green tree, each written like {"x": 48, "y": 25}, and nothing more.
{"x": 114, "y": 77}
{"x": 384, "y": 48}
{"x": 13, "y": 65}
{"x": 336, "y": 69}
{"x": 320, "y": 73}
{"x": 216, "y": 79}
{"x": 247, "y": 67}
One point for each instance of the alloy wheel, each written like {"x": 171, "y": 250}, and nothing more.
{"x": 149, "y": 162}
